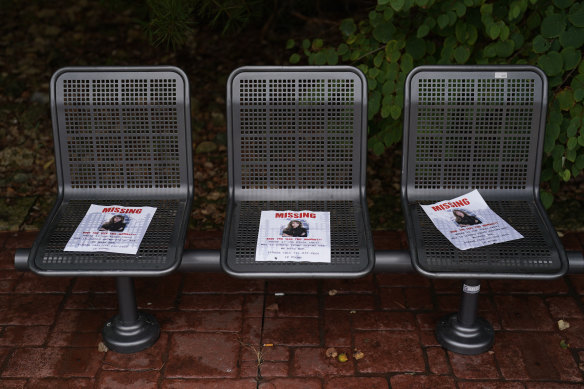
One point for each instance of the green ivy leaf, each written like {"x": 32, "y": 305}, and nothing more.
{"x": 331, "y": 57}
{"x": 348, "y": 27}
{"x": 305, "y": 44}
{"x": 576, "y": 16}
{"x": 443, "y": 21}
{"x": 572, "y": 143}
{"x": 374, "y": 104}
{"x": 486, "y": 9}
{"x": 571, "y": 155}
{"x": 294, "y": 58}
{"x": 461, "y": 54}
{"x": 572, "y": 129}
{"x": 382, "y": 2}
{"x": 378, "y": 148}
{"x": 572, "y": 37}
{"x": 566, "y": 99}
{"x": 551, "y": 63}
{"x": 540, "y": 44}
{"x": 395, "y": 112}
{"x": 423, "y": 30}
{"x": 552, "y": 25}
{"x": 472, "y": 35}
{"x": 384, "y": 32}
{"x": 579, "y": 94}
{"x": 392, "y": 52}
{"x": 566, "y": 175}
{"x": 317, "y": 44}
{"x": 514, "y": 11}
{"x": 493, "y": 31}
{"x": 290, "y": 44}
{"x": 547, "y": 199}
{"x": 343, "y": 49}
{"x": 407, "y": 63}
{"x": 319, "y": 58}
{"x": 397, "y": 4}
{"x": 459, "y": 8}
{"x": 563, "y": 3}
{"x": 385, "y": 111}
{"x": 571, "y": 57}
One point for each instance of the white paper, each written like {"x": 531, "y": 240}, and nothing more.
{"x": 468, "y": 222}
{"x": 294, "y": 236}
{"x": 112, "y": 229}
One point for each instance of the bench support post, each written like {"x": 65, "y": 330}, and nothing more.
{"x": 464, "y": 332}
{"x": 130, "y": 330}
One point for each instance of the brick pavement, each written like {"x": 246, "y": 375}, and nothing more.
{"x": 214, "y": 326}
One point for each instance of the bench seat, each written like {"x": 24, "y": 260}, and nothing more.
{"x": 534, "y": 255}
{"x": 157, "y": 252}
{"x": 350, "y": 245}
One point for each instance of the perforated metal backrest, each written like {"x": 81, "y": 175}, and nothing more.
{"x": 297, "y": 132}
{"x": 479, "y": 127}
{"x": 122, "y": 132}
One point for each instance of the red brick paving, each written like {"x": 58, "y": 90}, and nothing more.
{"x": 213, "y": 327}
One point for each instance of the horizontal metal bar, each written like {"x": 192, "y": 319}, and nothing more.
{"x": 386, "y": 261}
{"x": 200, "y": 261}
{"x": 21, "y": 259}
{"x": 575, "y": 262}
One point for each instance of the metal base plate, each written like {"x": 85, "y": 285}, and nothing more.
{"x": 128, "y": 338}
{"x": 473, "y": 340}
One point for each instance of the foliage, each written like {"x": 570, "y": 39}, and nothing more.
{"x": 401, "y": 34}
{"x": 172, "y": 21}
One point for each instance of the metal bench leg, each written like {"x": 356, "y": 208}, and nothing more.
{"x": 464, "y": 332}
{"x": 130, "y": 330}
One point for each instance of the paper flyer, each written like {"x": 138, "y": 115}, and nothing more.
{"x": 468, "y": 222}
{"x": 112, "y": 229}
{"x": 294, "y": 236}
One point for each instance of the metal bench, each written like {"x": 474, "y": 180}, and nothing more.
{"x": 477, "y": 127}
{"x": 297, "y": 141}
{"x": 122, "y": 137}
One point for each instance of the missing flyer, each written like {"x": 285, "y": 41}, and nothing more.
{"x": 112, "y": 229}
{"x": 468, "y": 222}
{"x": 294, "y": 236}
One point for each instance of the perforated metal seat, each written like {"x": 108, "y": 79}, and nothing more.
{"x": 479, "y": 128}
{"x": 297, "y": 141}
{"x": 122, "y": 137}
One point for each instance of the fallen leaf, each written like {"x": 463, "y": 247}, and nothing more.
{"x": 563, "y": 344}
{"x": 342, "y": 358}
{"x": 102, "y": 348}
{"x": 331, "y": 352}
{"x": 332, "y": 292}
{"x": 358, "y": 355}
{"x": 563, "y": 325}
{"x": 272, "y": 307}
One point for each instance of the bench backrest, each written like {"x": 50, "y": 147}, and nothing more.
{"x": 474, "y": 127}
{"x": 297, "y": 133}
{"x": 122, "y": 132}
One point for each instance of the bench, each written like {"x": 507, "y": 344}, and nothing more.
{"x": 122, "y": 137}
{"x": 477, "y": 127}
{"x": 296, "y": 138}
